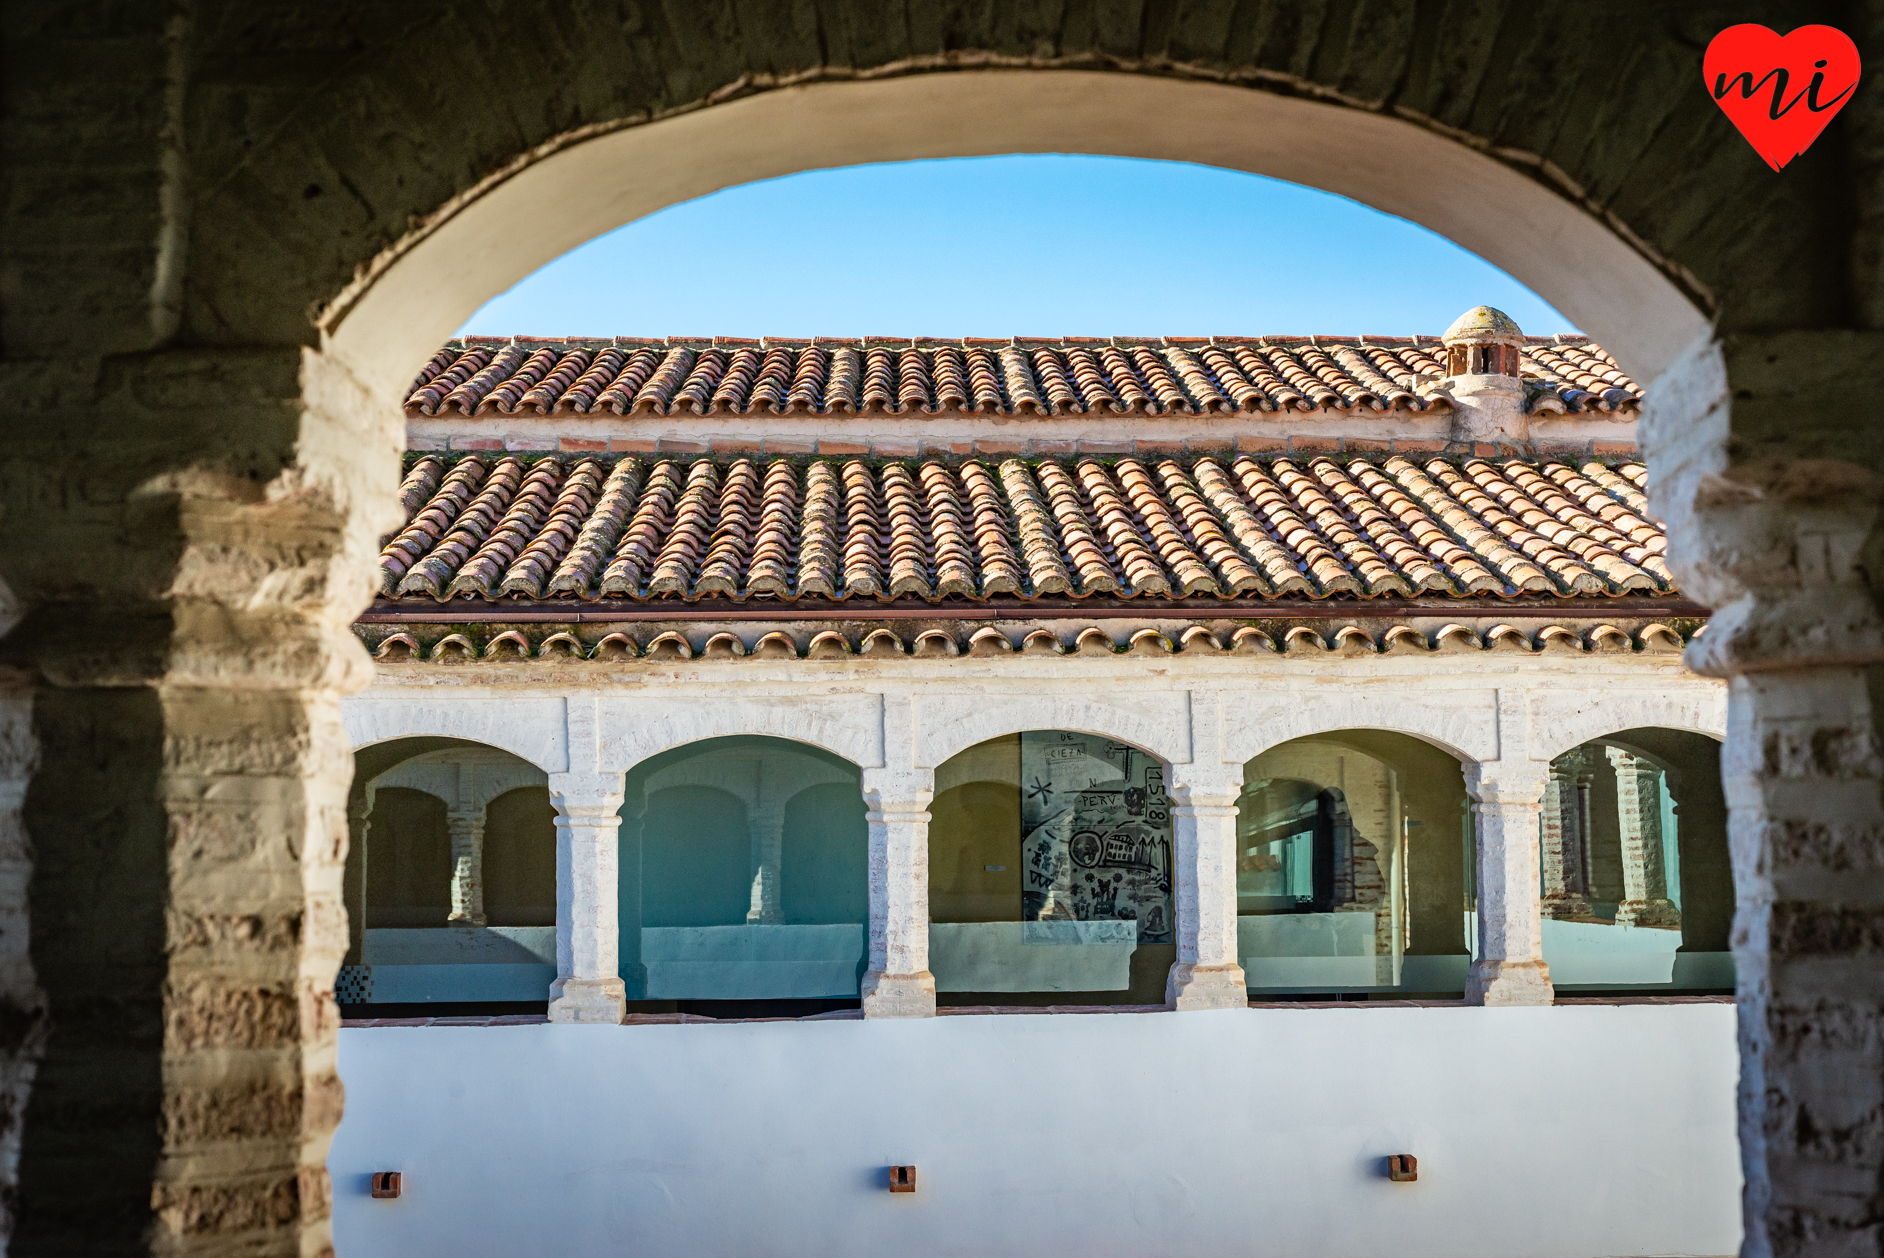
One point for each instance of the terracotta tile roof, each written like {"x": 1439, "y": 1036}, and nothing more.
{"x": 1069, "y": 376}
{"x": 1215, "y": 527}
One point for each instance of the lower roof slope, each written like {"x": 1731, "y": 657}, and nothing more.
{"x": 639, "y": 531}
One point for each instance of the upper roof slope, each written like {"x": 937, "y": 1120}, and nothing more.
{"x": 1022, "y": 376}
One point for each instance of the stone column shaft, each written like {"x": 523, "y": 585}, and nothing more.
{"x": 1645, "y": 899}
{"x": 588, "y": 985}
{"x": 466, "y": 828}
{"x": 1561, "y": 830}
{"x": 1510, "y": 968}
{"x": 897, "y": 982}
{"x": 767, "y": 827}
{"x": 1208, "y": 973}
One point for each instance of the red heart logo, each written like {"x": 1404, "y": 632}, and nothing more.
{"x": 1779, "y": 91}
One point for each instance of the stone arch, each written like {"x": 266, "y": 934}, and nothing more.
{"x": 949, "y": 724}
{"x": 535, "y": 730}
{"x": 1464, "y": 726}
{"x": 497, "y": 232}
{"x": 1560, "y": 721}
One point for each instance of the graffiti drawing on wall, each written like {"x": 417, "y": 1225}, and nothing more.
{"x": 1095, "y": 833}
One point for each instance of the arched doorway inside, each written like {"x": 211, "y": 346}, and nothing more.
{"x": 450, "y": 878}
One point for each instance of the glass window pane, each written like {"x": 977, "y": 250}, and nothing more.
{"x": 1050, "y": 873}
{"x": 1351, "y": 863}
{"x": 431, "y": 815}
{"x": 1636, "y": 886}
{"x": 744, "y": 873}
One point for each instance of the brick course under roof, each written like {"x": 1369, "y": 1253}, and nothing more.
{"x": 638, "y": 530}
{"x": 1068, "y": 376}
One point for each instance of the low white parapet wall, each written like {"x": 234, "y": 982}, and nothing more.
{"x": 1570, "y": 1131}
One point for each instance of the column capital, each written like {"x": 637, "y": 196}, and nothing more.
{"x": 1204, "y": 784}
{"x": 899, "y": 793}
{"x": 578, "y": 794}
{"x": 1503, "y": 783}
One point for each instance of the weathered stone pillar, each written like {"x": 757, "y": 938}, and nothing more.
{"x": 588, "y": 986}
{"x": 186, "y": 629}
{"x": 897, "y": 982}
{"x": 1562, "y": 830}
{"x": 466, "y": 828}
{"x": 1770, "y": 526}
{"x": 1645, "y": 899}
{"x": 767, "y": 827}
{"x": 1207, "y": 974}
{"x": 1510, "y": 968}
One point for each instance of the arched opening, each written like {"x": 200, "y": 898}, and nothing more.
{"x": 450, "y": 878}
{"x": 1352, "y": 868}
{"x": 1636, "y": 883}
{"x": 1050, "y": 873}
{"x": 743, "y": 878}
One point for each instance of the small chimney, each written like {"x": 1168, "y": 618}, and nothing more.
{"x": 1484, "y": 348}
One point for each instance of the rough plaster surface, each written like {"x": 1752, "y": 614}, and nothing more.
{"x": 1033, "y": 1134}
{"x": 1782, "y": 549}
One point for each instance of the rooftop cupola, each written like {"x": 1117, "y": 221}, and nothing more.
{"x": 1484, "y": 341}
{"x": 1484, "y": 350}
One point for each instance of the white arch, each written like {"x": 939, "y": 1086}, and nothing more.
{"x": 534, "y": 729}
{"x": 1560, "y": 720}
{"x": 463, "y": 777}
{"x": 850, "y": 726}
{"x": 1462, "y": 724}
{"x": 947, "y": 725}
{"x": 569, "y": 192}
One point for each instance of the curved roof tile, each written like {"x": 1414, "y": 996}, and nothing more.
{"x": 1065, "y": 376}
{"x": 931, "y": 530}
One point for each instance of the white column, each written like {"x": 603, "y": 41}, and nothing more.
{"x": 1510, "y": 968}
{"x": 897, "y": 983}
{"x": 766, "y": 825}
{"x": 588, "y": 986}
{"x": 1645, "y": 899}
{"x": 1207, "y": 974}
{"x": 466, "y": 828}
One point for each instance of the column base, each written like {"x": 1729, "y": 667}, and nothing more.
{"x": 1658, "y": 913}
{"x": 589, "y": 1000}
{"x": 1568, "y": 908}
{"x": 898, "y": 995}
{"x": 1206, "y": 987}
{"x": 1509, "y": 983}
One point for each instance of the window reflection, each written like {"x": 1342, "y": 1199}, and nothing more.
{"x": 1351, "y": 867}
{"x": 1050, "y": 872}
{"x": 1634, "y": 878}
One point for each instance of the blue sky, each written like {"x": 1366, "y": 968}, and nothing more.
{"x": 1012, "y": 246}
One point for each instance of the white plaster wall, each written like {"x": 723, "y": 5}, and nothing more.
{"x": 1087, "y": 1135}
{"x": 1184, "y": 708}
